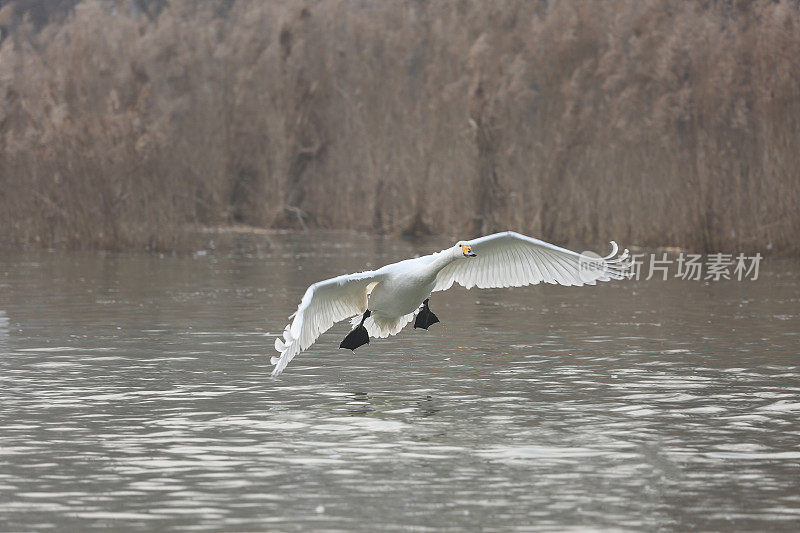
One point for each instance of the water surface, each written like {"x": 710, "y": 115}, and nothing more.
{"x": 135, "y": 395}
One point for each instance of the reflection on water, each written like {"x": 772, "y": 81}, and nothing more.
{"x": 135, "y": 395}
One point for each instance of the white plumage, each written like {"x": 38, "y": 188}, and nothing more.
{"x": 394, "y": 293}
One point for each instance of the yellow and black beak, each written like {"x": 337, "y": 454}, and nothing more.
{"x": 466, "y": 249}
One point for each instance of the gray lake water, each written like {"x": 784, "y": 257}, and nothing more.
{"x": 135, "y": 395}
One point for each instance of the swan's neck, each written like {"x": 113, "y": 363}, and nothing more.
{"x": 434, "y": 267}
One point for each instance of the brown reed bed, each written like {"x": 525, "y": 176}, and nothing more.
{"x": 651, "y": 122}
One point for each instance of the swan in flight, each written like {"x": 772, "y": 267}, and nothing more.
{"x": 383, "y": 301}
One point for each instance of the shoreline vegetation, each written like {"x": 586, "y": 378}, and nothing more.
{"x": 653, "y": 123}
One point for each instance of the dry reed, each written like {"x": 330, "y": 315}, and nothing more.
{"x": 651, "y": 122}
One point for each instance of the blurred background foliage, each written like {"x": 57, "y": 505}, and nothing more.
{"x": 125, "y": 124}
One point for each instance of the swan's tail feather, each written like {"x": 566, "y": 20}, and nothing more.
{"x": 379, "y": 327}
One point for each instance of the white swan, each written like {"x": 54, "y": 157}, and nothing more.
{"x": 387, "y": 299}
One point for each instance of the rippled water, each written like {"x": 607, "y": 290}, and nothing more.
{"x": 135, "y": 395}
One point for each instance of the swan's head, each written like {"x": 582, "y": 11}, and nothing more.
{"x": 466, "y": 250}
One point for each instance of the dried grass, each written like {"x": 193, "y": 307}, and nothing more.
{"x": 651, "y": 122}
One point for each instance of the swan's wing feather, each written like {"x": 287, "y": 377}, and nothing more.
{"x": 323, "y": 304}
{"x": 510, "y": 259}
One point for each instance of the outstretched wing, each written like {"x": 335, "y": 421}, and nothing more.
{"x": 324, "y": 304}
{"x": 509, "y": 259}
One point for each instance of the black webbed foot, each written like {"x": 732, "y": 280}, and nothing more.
{"x": 357, "y": 337}
{"x": 425, "y": 317}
